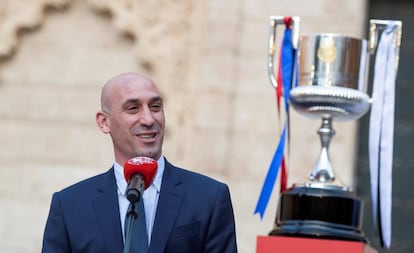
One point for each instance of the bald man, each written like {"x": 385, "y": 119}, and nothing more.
{"x": 185, "y": 211}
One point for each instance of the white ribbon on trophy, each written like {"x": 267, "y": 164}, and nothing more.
{"x": 381, "y": 134}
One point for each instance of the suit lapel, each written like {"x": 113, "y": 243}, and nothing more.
{"x": 169, "y": 203}
{"x": 107, "y": 212}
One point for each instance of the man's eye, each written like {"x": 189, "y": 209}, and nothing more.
{"x": 132, "y": 109}
{"x": 156, "y": 107}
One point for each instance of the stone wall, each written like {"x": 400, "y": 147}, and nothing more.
{"x": 209, "y": 59}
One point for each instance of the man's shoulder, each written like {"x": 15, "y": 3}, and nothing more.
{"x": 198, "y": 186}
{"x": 83, "y": 185}
{"x": 195, "y": 177}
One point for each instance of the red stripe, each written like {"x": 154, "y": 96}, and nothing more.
{"x": 279, "y": 95}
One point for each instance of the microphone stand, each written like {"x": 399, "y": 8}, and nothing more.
{"x": 130, "y": 218}
{"x": 133, "y": 195}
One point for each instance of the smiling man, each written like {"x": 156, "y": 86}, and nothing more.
{"x": 132, "y": 113}
{"x": 184, "y": 211}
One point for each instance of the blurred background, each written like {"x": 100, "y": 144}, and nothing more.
{"x": 209, "y": 59}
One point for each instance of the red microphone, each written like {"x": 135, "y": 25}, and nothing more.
{"x": 139, "y": 172}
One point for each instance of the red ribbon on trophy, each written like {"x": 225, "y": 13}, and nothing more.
{"x": 284, "y": 77}
{"x": 287, "y": 63}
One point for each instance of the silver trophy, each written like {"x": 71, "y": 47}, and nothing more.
{"x": 332, "y": 76}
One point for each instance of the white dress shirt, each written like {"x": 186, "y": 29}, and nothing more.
{"x": 150, "y": 196}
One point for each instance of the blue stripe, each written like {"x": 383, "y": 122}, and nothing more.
{"x": 271, "y": 177}
{"x": 288, "y": 59}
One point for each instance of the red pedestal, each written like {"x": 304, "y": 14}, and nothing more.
{"x": 284, "y": 244}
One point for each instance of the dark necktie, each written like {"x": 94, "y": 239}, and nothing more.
{"x": 139, "y": 240}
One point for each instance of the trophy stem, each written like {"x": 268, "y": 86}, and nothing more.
{"x": 322, "y": 172}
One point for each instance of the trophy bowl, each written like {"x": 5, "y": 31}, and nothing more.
{"x": 340, "y": 103}
{"x": 332, "y": 77}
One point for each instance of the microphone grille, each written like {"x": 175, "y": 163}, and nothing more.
{"x": 145, "y": 166}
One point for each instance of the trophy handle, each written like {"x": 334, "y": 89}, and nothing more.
{"x": 375, "y": 26}
{"x": 274, "y": 21}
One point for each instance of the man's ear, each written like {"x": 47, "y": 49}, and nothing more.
{"x": 103, "y": 122}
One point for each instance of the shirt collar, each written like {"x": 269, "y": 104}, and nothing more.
{"x": 122, "y": 183}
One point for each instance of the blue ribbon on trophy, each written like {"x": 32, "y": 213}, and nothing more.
{"x": 286, "y": 73}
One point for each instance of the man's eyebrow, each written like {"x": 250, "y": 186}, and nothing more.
{"x": 130, "y": 101}
{"x": 156, "y": 99}
{"x": 136, "y": 100}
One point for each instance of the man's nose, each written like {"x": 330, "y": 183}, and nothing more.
{"x": 146, "y": 117}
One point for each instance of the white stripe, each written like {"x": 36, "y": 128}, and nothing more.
{"x": 381, "y": 136}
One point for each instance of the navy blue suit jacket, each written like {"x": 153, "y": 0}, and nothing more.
{"x": 194, "y": 215}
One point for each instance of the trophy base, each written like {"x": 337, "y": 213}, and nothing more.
{"x": 320, "y": 213}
